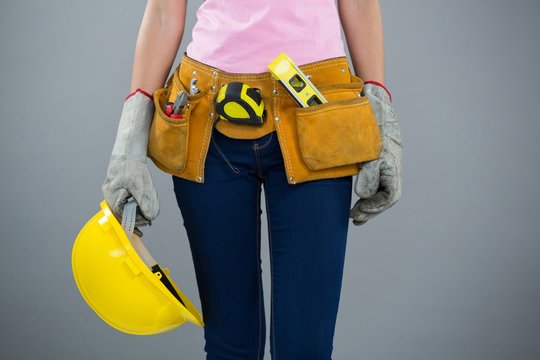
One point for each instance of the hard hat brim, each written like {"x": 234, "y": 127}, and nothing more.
{"x": 119, "y": 286}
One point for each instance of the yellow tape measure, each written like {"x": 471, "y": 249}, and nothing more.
{"x": 239, "y": 103}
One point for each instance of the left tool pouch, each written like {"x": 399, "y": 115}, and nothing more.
{"x": 168, "y": 138}
{"x": 340, "y": 132}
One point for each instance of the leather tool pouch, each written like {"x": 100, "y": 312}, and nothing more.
{"x": 340, "y": 132}
{"x": 168, "y": 138}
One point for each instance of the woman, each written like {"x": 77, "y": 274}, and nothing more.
{"x": 307, "y": 220}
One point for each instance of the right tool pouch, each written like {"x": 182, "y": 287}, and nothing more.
{"x": 340, "y": 132}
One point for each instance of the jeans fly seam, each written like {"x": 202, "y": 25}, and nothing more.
{"x": 259, "y": 169}
{"x": 235, "y": 169}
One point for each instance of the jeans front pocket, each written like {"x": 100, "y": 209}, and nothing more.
{"x": 222, "y": 154}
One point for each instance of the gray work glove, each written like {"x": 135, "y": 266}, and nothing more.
{"x": 128, "y": 174}
{"x": 378, "y": 183}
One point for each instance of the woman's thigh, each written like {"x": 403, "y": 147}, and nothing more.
{"x": 308, "y": 225}
{"x": 222, "y": 221}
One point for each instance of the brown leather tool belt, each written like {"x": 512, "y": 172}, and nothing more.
{"x": 322, "y": 141}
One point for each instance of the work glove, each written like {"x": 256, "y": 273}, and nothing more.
{"x": 378, "y": 183}
{"x": 127, "y": 174}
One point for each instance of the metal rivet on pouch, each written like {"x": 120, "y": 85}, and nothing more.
{"x": 291, "y": 179}
{"x": 213, "y": 87}
{"x": 194, "y": 73}
{"x": 199, "y": 179}
{"x": 342, "y": 69}
{"x": 276, "y": 117}
{"x": 215, "y": 73}
{"x": 274, "y": 92}
{"x": 211, "y": 114}
{"x": 308, "y": 76}
{"x": 188, "y": 105}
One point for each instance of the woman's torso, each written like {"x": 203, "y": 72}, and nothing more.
{"x": 244, "y": 36}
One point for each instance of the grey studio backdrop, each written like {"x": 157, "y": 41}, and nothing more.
{"x": 451, "y": 272}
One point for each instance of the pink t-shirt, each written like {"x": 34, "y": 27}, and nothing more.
{"x": 244, "y": 36}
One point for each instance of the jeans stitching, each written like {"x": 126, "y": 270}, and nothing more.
{"x": 273, "y": 329}
{"x": 235, "y": 169}
{"x": 259, "y": 170}
{"x": 258, "y": 237}
{"x": 267, "y": 142}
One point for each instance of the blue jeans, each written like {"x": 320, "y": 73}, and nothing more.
{"x": 307, "y": 224}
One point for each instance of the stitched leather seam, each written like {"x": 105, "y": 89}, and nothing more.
{"x": 330, "y": 107}
{"x": 288, "y": 166}
{"x": 202, "y": 153}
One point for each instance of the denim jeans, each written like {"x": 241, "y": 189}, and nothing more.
{"x": 307, "y": 225}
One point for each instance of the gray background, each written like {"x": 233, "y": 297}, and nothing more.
{"x": 451, "y": 272}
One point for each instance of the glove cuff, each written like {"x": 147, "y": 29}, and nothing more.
{"x": 141, "y": 91}
{"x": 134, "y": 127}
{"x": 381, "y": 85}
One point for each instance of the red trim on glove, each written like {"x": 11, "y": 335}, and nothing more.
{"x": 381, "y": 85}
{"x": 141, "y": 91}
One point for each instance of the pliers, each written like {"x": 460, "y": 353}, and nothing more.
{"x": 174, "y": 110}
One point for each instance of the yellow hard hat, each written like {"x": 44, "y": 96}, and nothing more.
{"x": 120, "y": 280}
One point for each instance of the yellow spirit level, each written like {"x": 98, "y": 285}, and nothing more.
{"x": 295, "y": 81}
{"x": 239, "y": 103}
